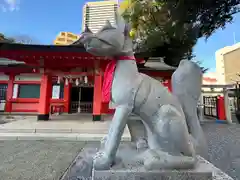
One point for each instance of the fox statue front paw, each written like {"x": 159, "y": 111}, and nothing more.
{"x": 102, "y": 142}
{"x": 102, "y": 161}
{"x": 141, "y": 144}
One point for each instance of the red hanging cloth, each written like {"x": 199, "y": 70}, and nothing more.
{"x": 108, "y": 77}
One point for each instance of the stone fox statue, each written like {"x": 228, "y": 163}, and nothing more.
{"x": 171, "y": 123}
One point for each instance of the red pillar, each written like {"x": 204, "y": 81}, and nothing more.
{"x": 8, "y": 106}
{"x": 97, "y": 98}
{"x": 67, "y": 96}
{"x": 45, "y": 97}
{"x": 221, "y": 108}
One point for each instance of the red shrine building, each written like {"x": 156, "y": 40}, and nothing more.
{"x": 41, "y": 80}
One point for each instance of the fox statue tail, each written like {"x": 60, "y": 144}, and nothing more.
{"x": 186, "y": 86}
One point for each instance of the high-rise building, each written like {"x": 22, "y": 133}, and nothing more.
{"x": 228, "y": 64}
{"x": 95, "y": 14}
{"x": 65, "y": 38}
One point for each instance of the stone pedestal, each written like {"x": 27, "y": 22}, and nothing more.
{"x": 126, "y": 169}
{"x": 151, "y": 175}
{"x": 81, "y": 167}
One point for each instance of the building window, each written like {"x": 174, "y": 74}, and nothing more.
{"x": 87, "y": 13}
{"x": 72, "y": 36}
{"x": 61, "y": 39}
{"x": 115, "y": 8}
{"x": 69, "y": 41}
{"x": 29, "y": 91}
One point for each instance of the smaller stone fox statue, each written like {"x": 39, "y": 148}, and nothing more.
{"x": 170, "y": 120}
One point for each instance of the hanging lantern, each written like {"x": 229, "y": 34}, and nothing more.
{"x": 77, "y": 82}
{"x": 58, "y": 80}
{"x": 70, "y": 80}
{"x": 85, "y": 79}
{"x": 80, "y": 79}
{"x": 66, "y": 81}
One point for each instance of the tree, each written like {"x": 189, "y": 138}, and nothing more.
{"x": 5, "y": 39}
{"x": 170, "y": 29}
{"x": 20, "y": 39}
{"x": 25, "y": 39}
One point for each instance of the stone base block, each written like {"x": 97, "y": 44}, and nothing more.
{"x": 151, "y": 175}
{"x": 81, "y": 167}
{"x": 125, "y": 170}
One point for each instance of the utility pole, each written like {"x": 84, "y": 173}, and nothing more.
{"x": 234, "y": 38}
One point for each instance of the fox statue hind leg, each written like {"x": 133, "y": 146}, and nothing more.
{"x": 168, "y": 138}
{"x": 186, "y": 86}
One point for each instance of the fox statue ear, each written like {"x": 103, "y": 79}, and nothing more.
{"x": 119, "y": 22}
{"x": 87, "y": 30}
{"x": 84, "y": 36}
{"x": 123, "y": 26}
{"x": 107, "y": 26}
{"x": 127, "y": 30}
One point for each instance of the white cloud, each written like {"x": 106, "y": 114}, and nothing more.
{"x": 9, "y": 5}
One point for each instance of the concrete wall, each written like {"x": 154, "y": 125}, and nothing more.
{"x": 232, "y": 66}
{"x": 220, "y": 56}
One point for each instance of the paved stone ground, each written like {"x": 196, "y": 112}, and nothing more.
{"x": 36, "y": 160}
{"x": 48, "y": 160}
{"x": 224, "y": 147}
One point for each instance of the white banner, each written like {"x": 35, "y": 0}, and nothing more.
{"x": 56, "y": 92}
{"x": 15, "y": 91}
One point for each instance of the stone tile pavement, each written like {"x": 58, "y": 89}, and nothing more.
{"x": 224, "y": 147}
{"x": 48, "y": 160}
{"x": 58, "y": 136}
{"x": 65, "y": 128}
{"x": 20, "y": 156}
{"x": 64, "y": 124}
{"x": 36, "y": 160}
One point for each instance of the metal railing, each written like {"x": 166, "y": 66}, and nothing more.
{"x": 210, "y": 106}
{"x": 3, "y": 93}
{"x": 232, "y": 104}
{"x": 82, "y": 107}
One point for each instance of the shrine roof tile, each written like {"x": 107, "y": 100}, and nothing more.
{"x": 45, "y": 48}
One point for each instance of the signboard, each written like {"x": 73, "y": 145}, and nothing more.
{"x": 15, "y": 91}
{"x": 56, "y": 92}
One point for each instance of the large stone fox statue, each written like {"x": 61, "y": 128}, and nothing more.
{"x": 170, "y": 119}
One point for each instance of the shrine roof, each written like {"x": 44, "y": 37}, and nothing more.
{"x": 48, "y": 56}
{"x": 158, "y": 66}
{"x": 7, "y": 62}
{"x": 45, "y": 48}
{"x": 58, "y": 57}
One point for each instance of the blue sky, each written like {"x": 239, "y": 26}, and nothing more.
{"x": 42, "y": 20}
